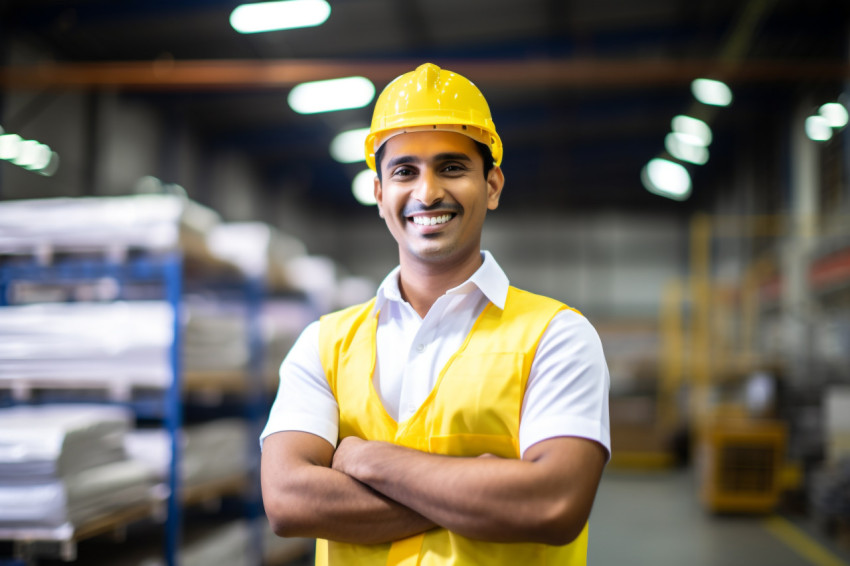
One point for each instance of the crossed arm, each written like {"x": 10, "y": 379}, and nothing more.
{"x": 370, "y": 492}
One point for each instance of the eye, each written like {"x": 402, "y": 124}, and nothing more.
{"x": 454, "y": 168}
{"x": 403, "y": 171}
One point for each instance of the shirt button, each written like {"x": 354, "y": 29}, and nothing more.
{"x": 420, "y": 347}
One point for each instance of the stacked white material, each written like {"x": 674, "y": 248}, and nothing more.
{"x": 229, "y": 545}
{"x": 155, "y": 222}
{"x": 215, "y": 337}
{"x": 259, "y": 250}
{"x": 117, "y": 345}
{"x": 233, "y": 544}
{"x": 211, "y": 451}
{"x": 66, "y": 464}
{"x": 317, "y": 277}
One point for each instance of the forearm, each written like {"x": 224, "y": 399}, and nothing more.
{"x": 308, "y": 499}
{"x": 472, "y": 497}
{"x": 490, "y": 499}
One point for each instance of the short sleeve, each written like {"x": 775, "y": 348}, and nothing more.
{"x": 304, "y": 400}
{"x": 567, "y": 390}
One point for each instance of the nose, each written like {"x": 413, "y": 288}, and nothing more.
{"x": 428, "y": 189}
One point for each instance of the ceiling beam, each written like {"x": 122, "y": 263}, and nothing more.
{"x": 572, "y": 73}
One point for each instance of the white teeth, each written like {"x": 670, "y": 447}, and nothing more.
{"x": 431, "y": 220}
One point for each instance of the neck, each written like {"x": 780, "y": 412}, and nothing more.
{"x": 421, "y": 284}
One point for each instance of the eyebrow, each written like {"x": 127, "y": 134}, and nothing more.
{"x": 446, "y": 156}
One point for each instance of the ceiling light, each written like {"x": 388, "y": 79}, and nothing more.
{"x": 685, "y": 147}
{"x": 667, "y": 179}
{"x": 42, "y": 157}
{"x": 52, "y": 165}
{"x": 331, "y": 95}
{"x": 709, "y": 91}
{"x": 694, "y": 127}
{"x": 273, "y": 16}
{"x": 30, "y": 153}
{"x": 835, "y": 114}
{"x": 10, "y": 146}
{"x": 363, "y": 187}
{"x": 818, "y": 128}
{"x": 347, "y": 147}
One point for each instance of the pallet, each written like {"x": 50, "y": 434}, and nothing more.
{"x": 62, "y": 541}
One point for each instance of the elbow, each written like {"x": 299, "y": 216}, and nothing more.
{"x": 281, "y": 524}
{"x": 285, "y": 521}
{"x": 561, "y": 525}
{"x": 560, "y": 534}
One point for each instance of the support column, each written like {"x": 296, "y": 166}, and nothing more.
{"x": 797, "y": 301}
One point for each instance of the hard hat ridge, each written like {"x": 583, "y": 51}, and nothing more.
{"x": 430, "y": 98}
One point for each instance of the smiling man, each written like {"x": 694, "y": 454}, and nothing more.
{"x": 452, "y": 419}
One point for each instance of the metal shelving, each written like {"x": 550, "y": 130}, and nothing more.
{"x": 162, "y": 274}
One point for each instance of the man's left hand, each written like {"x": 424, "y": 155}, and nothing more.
{"x": 346, "y": 455}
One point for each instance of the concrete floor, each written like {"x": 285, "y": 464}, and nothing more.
{"x": 654, "y": 519}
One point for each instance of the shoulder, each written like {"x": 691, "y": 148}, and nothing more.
{"x": 526, "y": 300}
{"x": 570, "y": 331}
{"x": 565, "y": 323}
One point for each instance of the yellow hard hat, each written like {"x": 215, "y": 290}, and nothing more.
{"x": 430, "y": 98}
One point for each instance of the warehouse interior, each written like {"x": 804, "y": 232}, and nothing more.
{"x": 169, "y": 224}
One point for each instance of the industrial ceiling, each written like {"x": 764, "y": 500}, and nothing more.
{"x": 582, "y": 91}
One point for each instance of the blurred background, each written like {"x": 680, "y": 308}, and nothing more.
{"x": 176, "y": 204}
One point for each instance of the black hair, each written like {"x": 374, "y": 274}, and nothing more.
{"x": 483, "y": 151}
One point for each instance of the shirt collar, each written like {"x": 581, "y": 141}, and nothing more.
{"x": 490, "y": 279}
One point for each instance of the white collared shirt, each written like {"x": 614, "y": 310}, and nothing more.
{"x": 566, "y": 395}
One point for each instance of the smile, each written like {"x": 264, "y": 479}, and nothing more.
{"x": 431, "y": 220}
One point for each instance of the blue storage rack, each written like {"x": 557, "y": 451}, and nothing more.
{"x": 165, "y": 269}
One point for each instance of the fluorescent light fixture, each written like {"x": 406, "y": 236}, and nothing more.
{"x": 667, "y": 179}
{"x": 273, "y": 16}
{"x": 41, "y": 158}
{"x": 363, "y": 187}
{"x": 10, "y": 146}
{"x": 331, "y": 95}
{"x": 348, "y": 147}
{"x": 30, "y": 154}
{"x": 835, "y": 113}
{"x": 685, "y": 147}
{"x": 694, "y": 127}
{"x": 52, "y": 165}
{"x": 711, "y": 92}
{"x": 818, "y": 128}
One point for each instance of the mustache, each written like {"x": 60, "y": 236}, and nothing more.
{"x": 417, "y": 207}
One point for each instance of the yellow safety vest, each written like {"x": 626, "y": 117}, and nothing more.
{"x": 473, "y": 409}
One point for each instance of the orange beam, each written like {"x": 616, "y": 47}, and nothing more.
{"x": 573, "y": 73}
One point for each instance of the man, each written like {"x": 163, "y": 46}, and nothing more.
{"x": 452, "y": 419}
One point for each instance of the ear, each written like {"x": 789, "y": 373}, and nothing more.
{"x": 495, "y": 182}
{"x": 379, "y": 196}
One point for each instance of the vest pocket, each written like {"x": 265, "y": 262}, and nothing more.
{"x": 471, "y": 445}
{"x": 480, "y": 393}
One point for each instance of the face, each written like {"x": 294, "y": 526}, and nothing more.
{"x": 434, "y": 196}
